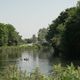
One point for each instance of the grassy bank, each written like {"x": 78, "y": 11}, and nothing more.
{"x": 58, "y": 73}
{"x": 24, "y": 47}
{"x": 18, "y": 48}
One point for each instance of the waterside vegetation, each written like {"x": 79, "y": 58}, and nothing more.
{"x": 63, "y": 35}
{"x": 58, "y": 73}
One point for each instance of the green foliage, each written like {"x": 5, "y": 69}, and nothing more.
{"x": 71, "y": 36}
{"x": 66, "y": 73}
{"x": 31, "y": 40}
{"x": 64, "y": 33}
{"x": 55, "y": 31}
{"x": 41, "y": 34}
{"x": 12, "y": 73}
{"x": 34, "y": 39}
{"x": 3, "y": 34}
{"x": 8, "y": 35}
{"x": 28, "y": 41}
{"x": 58, "y": 73}
{"x": 78, "y": 3}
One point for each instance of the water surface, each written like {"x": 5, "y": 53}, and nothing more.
{"x": 27, "y": 60}
{"x": 34, "y": 60}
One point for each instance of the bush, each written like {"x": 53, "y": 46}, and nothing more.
{"x": 65, "y": 73}
{"x": 58, "y": 73}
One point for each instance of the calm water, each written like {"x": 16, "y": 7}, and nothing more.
{"x": 34, "y": 60}
{"x": 18, "y": 58}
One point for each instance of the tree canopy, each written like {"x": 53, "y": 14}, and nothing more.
{"x": 8, "y": 35}
{"x": 64, "y": 33}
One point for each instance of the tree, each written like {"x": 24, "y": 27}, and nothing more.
{"x": 55, "y": 31}
{"x": 42, "y": 34}
{"x": 3, "y": 34}
{"x": 8, "y": 35}
{"x": 13, "y": 35}
{"x": 57, "y": 28}
{"x": 78, "y": 3}
{"x": 71, "y": 37}
{"x": 34, "y": 39}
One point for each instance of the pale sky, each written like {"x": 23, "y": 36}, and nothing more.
{"x": 28, "y": 16}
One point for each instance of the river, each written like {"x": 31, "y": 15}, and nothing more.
{"x": 27, "y": 60}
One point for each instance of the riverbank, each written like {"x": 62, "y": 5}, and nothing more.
{"x": 19, "y": 47}
{"x": 11, "y": 72}
{"x": 58, "y": 73}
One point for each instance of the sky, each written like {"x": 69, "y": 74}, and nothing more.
{"x": 28, "y": 16}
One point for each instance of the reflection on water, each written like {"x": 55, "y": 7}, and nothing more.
{"x": 29, "y": 60}
{"x": 25, "y": 60}
{"x": 8, "y": 56}
{"x": 33, "y": 62}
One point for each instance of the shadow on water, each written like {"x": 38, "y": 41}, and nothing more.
{"x": 64, "y": 62}
{"x": 9, "y": 56}
{"x": 17, "y": 57}
{"x": 42, "y": 59}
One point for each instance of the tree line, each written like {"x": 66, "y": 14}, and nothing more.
{"x": 8, "y": 35}
{"x": 64, "y": 33}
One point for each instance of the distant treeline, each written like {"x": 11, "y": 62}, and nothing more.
{"x": 8, "y": 35}
{"x": 63, "y": 34}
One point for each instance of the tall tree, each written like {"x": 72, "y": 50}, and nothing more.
{"x": 3, "y": 34}
{"x": 8, "y": 35}
{"x": 42, "y": 34}
{"x": 57, "y": 29}
{"x": 34, "y": 39}
{"x": 71, "y": 37}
